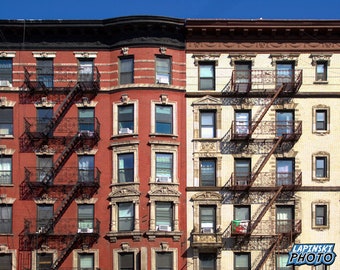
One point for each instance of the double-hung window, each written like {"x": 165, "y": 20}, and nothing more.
{"x": 164, "y": 119}
{"x": 126, "y": 66}
{"x": 321, "y": 167}
{"x": 6, "y": 70}
{"x": 163, "y": 70}
{"x": 86, "y": 168}
{"x": 44, "y": 261}
{"x": 45, "y": 71}
{"x": 126, "y": 261}
{"x": 164, "y": 167}
{"x": 207, "y": 76}
{"x": 5, "y": 261}
{"x": 321, "y": 71}
{"x": 45, "y": 213}
{"x": 207, "y": 172}
{"x": 208, "y": 124}
{"x": 5, "y": 219}
{"x": 242, "y": 261}
{"x": 207, "y": 261}
{"x": 164, "y": 216}
{"x": 125, "y": 167}
{"x": 207, "y": 219}
{"x": 6, "y": 121}
{"x": 164, "y": 261}
{"x": 281, "y": 262}
{"x": 86, "y": 119}
{"x": 321, "y": 215}
{"x": 285, "y": 171}
{"x": 321, "y": 120}
{"x": 86, "y": 261}
{"x": 85, "y": 218}
{"x": 85, "y": 70}
{"x": 5, "y": 170}
{"x": 126, "y": 119}
{"x": 126, "y": 216}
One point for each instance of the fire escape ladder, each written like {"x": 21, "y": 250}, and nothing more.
{"x": 264, "y": 210}
{"x": 268, "y": 252}
{"x": 62, "y": 159}
{"x": 266, "y": 108}
{"x": 255, "y": 175}
{"x": 58, "y": 262}
{"x": 61, "y": 111}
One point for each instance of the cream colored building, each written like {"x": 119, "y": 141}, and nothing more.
{"x": 262, "y": 141}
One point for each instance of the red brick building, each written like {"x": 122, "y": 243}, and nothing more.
{"x": 92, "y": 144}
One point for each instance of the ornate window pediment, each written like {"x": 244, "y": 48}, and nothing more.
{"x": 122, "y": 192}
{"x": 207, "y": 196}
{"x": 320, "y": 57}
{"x": 207, "y": 100}
{"x": 241, "y": 58}
{"x": 164, "y": 192}
{"x": 289, "y": 57}
{"x": 206, "y": 57}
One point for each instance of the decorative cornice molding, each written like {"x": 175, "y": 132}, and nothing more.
{"x": 206, "y": 57}
{"x": 85, "y": 54}
{"x": 7, "y": 54}
{"x": 241, "y": 57}
{"x": 320, "y": 57}
{"x": 44, "y": 54}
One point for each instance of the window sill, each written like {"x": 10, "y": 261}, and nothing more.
{"x": 7, "y": 185}
{"x": 320, "y": 228}
{"x": 113, "y": 236}
{"x": 320, "y": 82}
{"x": 152, "y": 235}
{"x": 320, "y": 180}
{"x": 321, "y": 132}
{"x": 6, "y": 136}
{"x": 124, "y": 135}
{"x": 163, "y": 135}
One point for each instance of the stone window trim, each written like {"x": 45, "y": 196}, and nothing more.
{"x": 206, "y": 58}
{"x": 234, "y": 58}
{"x": 7, "y": 54}
{"x": 206, "y": 199}
{"x": 85, "y": 250}
{"x": 324, "y": 108}
{"x": 130, "y": 147}
{"x": 197, "y": 251}
{"x": 218, "y": 166}
{"x": 164, "y": 100}
{"x": 289, "y": 57}
{"x": 85, "y": 54}
{"x": 44, "y": 103}
{"x": 321, "y": 155}
{"x": 313, "y": 208}
{"x": 321, "y": 58}
{"x": 168, "y": 148}
{"x": 5, "y": 250}
{"x": 44, "y": 54}
{"x": 7, "y": 104}
{"x": 43, "y": 249}
{"x": 164, "y": 247}
{"x": 125, "y": 100}
{"x": 125, "y": 248}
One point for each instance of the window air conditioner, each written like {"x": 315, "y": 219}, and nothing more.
{"x": 41, "y": 229}
{"x": 5, "y": 83}
{"x": 241, "y": 182}
{"x": 207, "y": 230}
{"x": 165, "y": 228}
{"x": 163, "y": 179}
{"x": 85, "y": 230}
{"x": 125, "y": 131}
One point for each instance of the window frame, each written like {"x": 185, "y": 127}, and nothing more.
{"x": 5, "y": 161}
{"x": 6, "y": 227}
{"x": 326, "y": 211}
{"x": 161, "y": 177}
{"x": 321, "y": 76}
{"x": 8, "y": 260}
{"x": 130, "y": 219}
{"x": 129, "y": 169}
{"x": 205, "y": 219}
{"x": 86, "y": 123}
{"x": 129, "y": 74}
{"x": 86, "y": 168}
{"x": 85, "y": 222}
{"x": 130, "y": 261}
{"x": 204, "y": 256}
{"x": 277, "y": 262}
{"x": 38, "y": 255}
{"x": 283, "y": 177}
{"x": 243, "y": 255}
{"x": 211, "y": 127}
{"x": 7, "y": 75}
{"x": 45, "y": 71}
{"x": 80, "y": 255}
{"x": 163, "y": 73}
{"x": 164, "y": 220}
{"x": 159, "y": 261}
{"x": 326, "y": 111}
{"x": 6, "y": 121}
{"x": 211, "y": 182}
{"x": 84, "y": 66}
{"x": 321, "y": 171}
{"x": 163, "y": 120}
{"x": 211, "y": 78}
{"x": 122, "y": 125}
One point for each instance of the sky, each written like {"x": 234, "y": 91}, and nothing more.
{"x": 200, "y": 9}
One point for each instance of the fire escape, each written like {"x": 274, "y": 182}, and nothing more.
{"x": 58, "y": 134}
{"x": 264, "y": 138}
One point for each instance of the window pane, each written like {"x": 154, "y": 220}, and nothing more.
{"x": 5, "y": 170}
{"x": 5, "y": 219}
{"x": 126, "y": 70}
{"x": 321, "y": 167}
{"x": 44, "y": 261}
{"x": 5, "y": 261}
{"x": 207, "y": 124}
{"x": 86, "y": 168}
{"x": 125, "y": 167}
{"x": 321, "y": 71}
{"x": 164, "y": 165}
{"x": 242, "y": 171}
{"x": 163, "y": 70}
{"x": 163, "y": 119}
{"x": 126, "y": 216}
{"x": 207, "y": 218}
{"x": 207, "y": 173}
{"x": 164, "y": 214}
{"x": 45, "y": 213}
{"x": 45, "y": 72}
{"x": 284, "y": 171}
{"x": 86, "y": 119}
{"x": 85, "y": 70}
{"x": 6, "y": 121}
{"x": 321, "y": 120}
{"x": 241, "y": 261}
{"x": 207, "y": 76}
{"x": 85, "y": 217}
{"x": 164, "y": 261}
{"x": 86, "y": 261}
{"x": 126, "y": 119}
{"x": 6, "y": 70}
{"x": 126, "y": 261}
{"x": 321, "y": 214}
{"x": 207, "y": 261}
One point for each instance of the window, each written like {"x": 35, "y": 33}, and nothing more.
{"x": 242, "y": 122}
{"x": 207, "y": 124}
{"x": 164, "y": 167}
{"x": 5, "y": 219}
{"x": 86, "y": 119}
{"x": 207, "y": 76}
{"x": 86, "y": 168}
{"x": 45, "y": 71}
{"x": 45, "y": 213}
{"x": 44, "y": 117}
{"x": 321, "y": 167}
{"x": 126, "y": 66}
{"x": 85, "y": 70}
{"x": 284, "y": 122}
{"x": 321, "y": 71}
{"x": 164, "y": 216}
{"x": 242, "y": 171}
{"x": 207, "y": 219}
{"x": 5, "y": 261}
{"x": 126, "y": 261}
{"x": 321, "y": 218}
{"x": 321, "y": 120}
{"x": 164, "y": 119}
{"x": 207, "y": 172}
{"x": 281, "y": 262}
{"x": 6, "y": 70}
{"x": 284, "y": 74}
{"x": 241, "y": 219}
{"x": 285, "y": 171}
{"x": 126, "y": 119}
{"x": 242, "y": 261}
{"x": 164, "y": 261}
{"x": 44, "y": 261}
{"x": 163, "y": 70}
{"x": 5, "y": 170}
{"x": 207, "y": 261}
{"x": 85, "y": 218}
{"x": 125, "y": 167}
{"x": 242, "y": 76}
{"x": 126, "y": 216}
{"x": 284, "y": 219}
{"x": 86, "y": 261}
{"x": 6, "y": 121}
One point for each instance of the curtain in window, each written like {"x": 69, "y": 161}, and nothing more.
{"x": 164, "y": 213}
{"x": 284, "y": 219}
{"x": 284, "y": 172}
{"x": 126, "y": 216}
{"x": 86, "y": 168}
{"x": 85, "y": 218}
{"x": 5, "y": 170}
{"x": 208, "y": 172}
{"x": 164, "y": 166}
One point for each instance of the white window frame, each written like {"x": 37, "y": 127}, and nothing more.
{"x": 164, "y": 101}
{"x": 124, "y": 101}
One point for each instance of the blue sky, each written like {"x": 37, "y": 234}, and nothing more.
{"x": 226, "y": 9}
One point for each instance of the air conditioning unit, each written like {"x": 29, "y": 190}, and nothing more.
{"x": 162, "y": 79}
{"x": 87, "y": 133}
{"x": 207, "y": 230}
{"x": 164, "y": 228}
{"x": 41, "y": 229}
{"x": 85, "y": 230}
{"x": 125, "y": 131}
{"x": 163, "y": 179}
{"x": 5, "y": 83}
{"x": 242, "y": 182}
